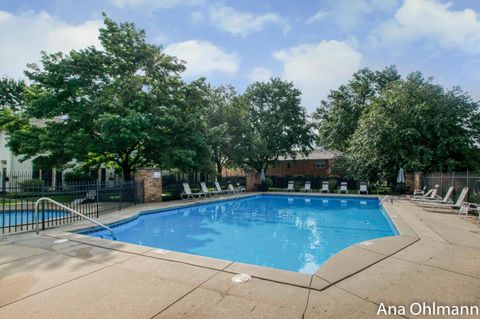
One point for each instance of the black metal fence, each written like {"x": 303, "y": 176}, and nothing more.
{"x": 458, "y": 180}
{"x": 17, "y": 202}
{"x": 172, "y": 185}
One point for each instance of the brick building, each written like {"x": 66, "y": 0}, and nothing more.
{"x": 317, "y": 163}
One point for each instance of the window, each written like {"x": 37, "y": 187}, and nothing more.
{"x": 289, "y": 165}
{"x": 320, "y": 164}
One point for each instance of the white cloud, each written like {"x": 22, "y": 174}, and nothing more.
{"x": 153, "y": 4}
{"x": 433, "y": 22}
{"x": 317, "y": 68}
{"x": 319, "y": 16}
{"x": 259, "y": 74}
{"x": 203, "y": 58}
{"x": 23, "y": 36}
{"x": 243, "y": 23}
{"x": 349, "y": 14}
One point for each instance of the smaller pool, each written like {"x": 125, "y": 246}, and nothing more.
{"x": 12, "y": 218}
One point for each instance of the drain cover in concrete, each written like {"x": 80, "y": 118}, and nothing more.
{"x": 240, "y": 278}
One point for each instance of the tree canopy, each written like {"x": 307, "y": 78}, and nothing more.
{"x": 410, "y": 123}
{"x": 124, "y": 104}
{"x": 270, "y": 122}
{"x": 219, "y": 121}
{"x": 337, "y": 117}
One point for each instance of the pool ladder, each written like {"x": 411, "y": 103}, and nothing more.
{"x": 46, "y": 199}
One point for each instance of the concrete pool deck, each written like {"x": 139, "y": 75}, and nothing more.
{"x": 436, "y": 259}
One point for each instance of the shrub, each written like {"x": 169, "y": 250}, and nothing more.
{"x": 474, "y": 198}
{"x": 31, "y": 185}
{"x": 265, "y": 185}
{"x": 78, "y": 176}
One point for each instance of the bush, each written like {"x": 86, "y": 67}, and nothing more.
{"x": 78, "y": 176}
{"x": 474, "y": 198}
{"x": 31, "y": 185}
{"x": 265, "y": 185}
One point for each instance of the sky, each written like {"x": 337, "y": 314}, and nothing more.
{"x": 316, "y": 44}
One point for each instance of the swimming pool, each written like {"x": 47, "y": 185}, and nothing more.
{"x": 12, "y": 218}
{"x": 296, "y": 233}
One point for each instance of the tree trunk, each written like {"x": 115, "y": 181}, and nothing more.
{"x": 259, "y": 171}
{"x": 219, "y": 170}
{"x": 127, "y": 173}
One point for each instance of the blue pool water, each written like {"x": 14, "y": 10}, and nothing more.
{"x": 296, "y": 233}
{"x": 27, "y": 217}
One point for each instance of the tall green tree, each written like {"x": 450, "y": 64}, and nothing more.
{"x": 417, "y": 125}
{"x": 270, "y": 122}
{"x": 219, "y": 122}
{"x": 12, "y": 100}
{"x": 337, "y": 117}
{"x": 124, "y": 105}
{"x": 12, "y": 94}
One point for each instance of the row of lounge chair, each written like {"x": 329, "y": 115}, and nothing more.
{"x": 430, "y": 199}
{"x": 187, "y": 191}
{"x": 326, "y": 189}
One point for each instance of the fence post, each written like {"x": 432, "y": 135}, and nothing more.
{"x": 441, "y": 181}
{"x": 121, "y": 195}
{"x": 43, "y": 203}
{"x": 453, "y": 180}
{"x": 97, "y": 196}
{"x": 468, "y": 182}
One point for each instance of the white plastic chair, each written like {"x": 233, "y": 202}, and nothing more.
{"x": 290, "y": 187}
{"x": 187, "y": 192}
{"x": 325, "y": 188}
{"x": 343, "y": 188}
{"x": 363, "y": 188}
{"x": 308, "y": 187}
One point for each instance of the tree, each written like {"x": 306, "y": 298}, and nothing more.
{"x": 417, "y": 125}
{"x": 219, "y": 120}
{"x": 124, "y": 105}
{"x": 269, "y": 122}
{"x": 338, "y": 116}
{"x": 11, "y": 94}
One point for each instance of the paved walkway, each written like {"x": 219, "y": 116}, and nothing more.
{"x": 42, "y": 277}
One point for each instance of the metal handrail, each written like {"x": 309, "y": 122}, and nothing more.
{"x": 37, "y": 229}
{"x": 385, "y": 199}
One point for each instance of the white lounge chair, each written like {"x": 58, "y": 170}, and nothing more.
{"x": 187, "y": 192}
{"x": 456, "y": 205}
{"x": 427, "y": 194}
{"x": 232, "y": 189}
{"x": 290, "y": 187}
{"x": 219, "y": 188}
{"x": 206, "y": 191}
{"x": 363, "y": 188}
{"x": 419, "y": 192}
{"x": 89, "y": 197}
{"x": 343, "y": 188}
{"x": 464, "y": 209}
{"x": 432, "y": 197}
{"x": 308, "y": 187}
{"x": 241, "y": 188}
{"x": 325, "y": 188}
{"x": 445, "y": 200}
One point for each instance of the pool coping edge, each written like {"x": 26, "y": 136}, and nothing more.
{"x": 342, "y": 265}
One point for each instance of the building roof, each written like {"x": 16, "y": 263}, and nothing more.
{"x": 316, "y": 154}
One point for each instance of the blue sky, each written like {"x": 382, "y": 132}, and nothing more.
{"x": 315, "y": 44}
